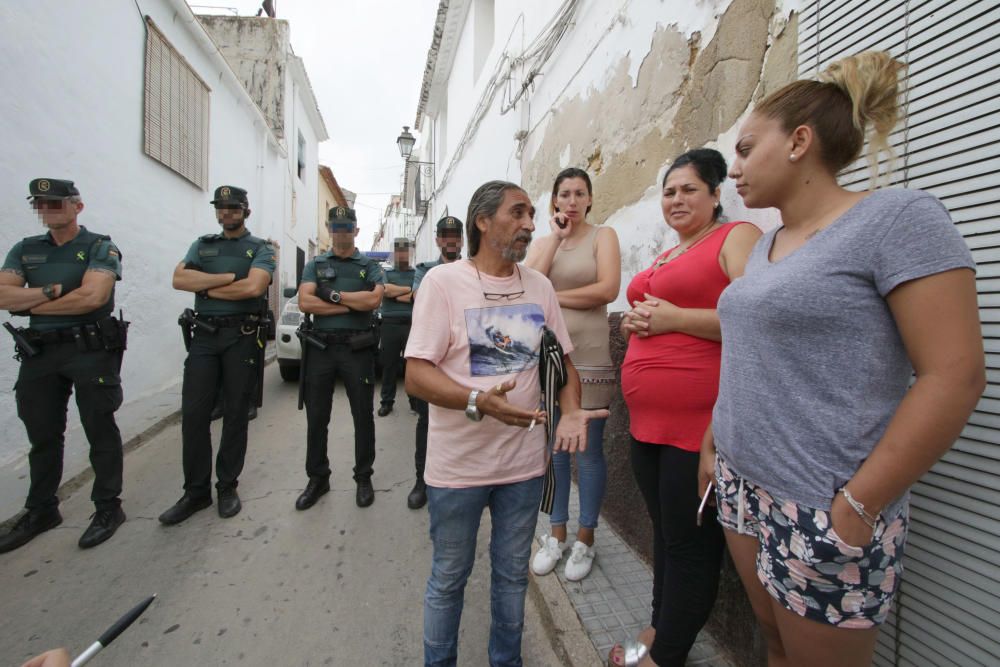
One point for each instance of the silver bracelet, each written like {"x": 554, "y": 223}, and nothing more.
{"x": 859, "y": 508}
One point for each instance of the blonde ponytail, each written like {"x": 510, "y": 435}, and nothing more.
{"x": 871, "y": 81}
{"x": 853, "y": 95}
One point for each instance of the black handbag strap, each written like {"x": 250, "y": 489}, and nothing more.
{"x": 552, "y": 373}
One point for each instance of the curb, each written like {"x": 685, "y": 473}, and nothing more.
{"x": 569, "y": 638}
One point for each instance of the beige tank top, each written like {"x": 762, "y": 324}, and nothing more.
{"x": 588, "y": 329}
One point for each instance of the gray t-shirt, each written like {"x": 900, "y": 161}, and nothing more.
{"x": 813, "y": 366}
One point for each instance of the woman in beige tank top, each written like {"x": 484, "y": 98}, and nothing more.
{"x": 583, "y": 262}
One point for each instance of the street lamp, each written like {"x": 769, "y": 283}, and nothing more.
{"x": 405, "y": 142}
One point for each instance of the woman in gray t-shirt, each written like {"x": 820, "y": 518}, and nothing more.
{"x": 817, "y": 434}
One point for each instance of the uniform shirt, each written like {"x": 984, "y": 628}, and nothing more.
{"x": 813, "y": 365}
{"x": 480, "y": 343}
{"x": 421, "y": 271}
{"x": 215, "y": 253}
{"x": 40, "y": 261}
{"x": 398, "y": 310}
{"x": 357, "y": 273}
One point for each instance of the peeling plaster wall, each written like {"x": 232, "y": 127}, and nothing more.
{"x": 631, "y": 86}
{"x": 257, "y": 49}
{"x": 687, "y": 91}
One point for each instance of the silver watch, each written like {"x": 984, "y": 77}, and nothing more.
{"x": 471, "y": 411}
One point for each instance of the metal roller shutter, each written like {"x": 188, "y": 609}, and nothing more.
{"x": 948, "y": 610}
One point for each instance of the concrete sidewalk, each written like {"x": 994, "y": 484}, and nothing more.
{"x": 612, "y": 604}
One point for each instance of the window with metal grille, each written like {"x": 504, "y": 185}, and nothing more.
{"x": 175, "y": 126}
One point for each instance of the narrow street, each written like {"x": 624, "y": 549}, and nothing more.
{"x": 335, "y": 585}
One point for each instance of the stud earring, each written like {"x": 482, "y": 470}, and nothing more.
{"x": 792, "y": 157}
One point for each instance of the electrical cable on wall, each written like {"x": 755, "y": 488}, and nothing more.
{"x": 535, "y": 56}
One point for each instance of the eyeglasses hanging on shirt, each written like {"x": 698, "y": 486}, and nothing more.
{"x": 499, "y": 296}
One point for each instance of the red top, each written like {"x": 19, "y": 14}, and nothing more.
{"x": 670, "y": 381}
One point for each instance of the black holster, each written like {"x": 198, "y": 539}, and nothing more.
{"x": 188, "y": 322}
{"x": 307, "y": 339}
{"x": 23, "y": 349}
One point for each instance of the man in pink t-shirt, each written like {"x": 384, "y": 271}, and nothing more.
{"x": 473, "y": 355}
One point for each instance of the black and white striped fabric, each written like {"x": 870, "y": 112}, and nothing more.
{"x": 552, "y": 373}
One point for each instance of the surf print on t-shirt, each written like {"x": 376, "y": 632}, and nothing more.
{"x": 503, "y": 339}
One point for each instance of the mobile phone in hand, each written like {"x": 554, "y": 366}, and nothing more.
{"x": 560, "y": 221}
{"x": 704, "y": 501}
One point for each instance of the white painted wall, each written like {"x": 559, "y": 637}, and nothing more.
{"x": 601, "y": 34}
{"x": 73, "y": 109}
{"x": 304, "y": 192}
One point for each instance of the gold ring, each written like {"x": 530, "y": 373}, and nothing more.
{"x": 500, "y": 388}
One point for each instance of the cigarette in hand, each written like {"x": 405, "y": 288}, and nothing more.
{"x": 531, "y": 426}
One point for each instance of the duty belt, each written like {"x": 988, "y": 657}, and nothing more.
{"x": 105, "y": 334}
{"x": 53, "y": 336}
{"x": 229, "y": 321}
{"x": 340, "y": 336}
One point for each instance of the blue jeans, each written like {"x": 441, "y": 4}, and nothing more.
{"x": 455, "y": 516}
{"x": 593, "y": 477}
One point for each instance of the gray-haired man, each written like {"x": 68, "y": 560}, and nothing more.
{"x": 473, "y": 355}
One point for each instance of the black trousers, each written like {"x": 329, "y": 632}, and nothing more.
{"x": 394, "y": 337}
{"x": 356, "y": 369}
{"x": 228, "y": 359}
{"x": 420, "y": 456}
{"x": 686, "y": 558}
{"x": 44, "y": 384}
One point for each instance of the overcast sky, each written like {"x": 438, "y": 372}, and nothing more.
{"x": 365, "y": 59}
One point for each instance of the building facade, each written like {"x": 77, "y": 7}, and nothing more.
{"x": 330, "y": 195}
{"x": 136, "y": 104}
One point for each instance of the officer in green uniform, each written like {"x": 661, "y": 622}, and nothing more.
{"x": 341, "y": 289}
{"x": 397, "y": 311}
{"x": 449, "y": 242}
{"x": 65, "y": 280}
{"x": 229, "y": 274}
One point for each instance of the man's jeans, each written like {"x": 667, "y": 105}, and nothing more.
{"x": 455, "y": 516}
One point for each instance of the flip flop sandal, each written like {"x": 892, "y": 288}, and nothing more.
{"x": 633, "y": 651}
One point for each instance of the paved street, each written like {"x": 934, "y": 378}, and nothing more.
{"x": 335, "y": 585}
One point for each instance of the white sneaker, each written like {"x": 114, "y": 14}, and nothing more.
{"x": 581, "y": 559}
{"x": 550, "y": 550}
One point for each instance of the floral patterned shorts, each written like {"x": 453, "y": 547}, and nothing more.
{"x": 802, "y": 561}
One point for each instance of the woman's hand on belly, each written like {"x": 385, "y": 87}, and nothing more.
{"x": 653, "y": 316}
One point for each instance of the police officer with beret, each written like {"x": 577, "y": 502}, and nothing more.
{"x": 229, "y": 274}
{"x": 397, "y": 310}
{"x": 449, "y": 242}
{"x": 341, "y": 289}
{"x": 65, "y": 281}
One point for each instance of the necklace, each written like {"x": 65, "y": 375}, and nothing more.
{"x": 697, "y": 239}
